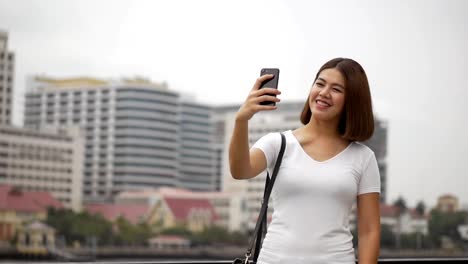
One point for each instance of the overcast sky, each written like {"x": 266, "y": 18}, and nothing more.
{"x": 414, "y": 52}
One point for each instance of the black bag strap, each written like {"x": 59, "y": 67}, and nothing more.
{"x": 262, "y": 219}
{"x": 263, "y": 226}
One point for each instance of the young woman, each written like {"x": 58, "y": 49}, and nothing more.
{"x": 324, "y": 171}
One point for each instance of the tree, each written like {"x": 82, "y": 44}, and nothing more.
{"x": 178, "y": 230}
{"x": 213, "y": 234}
{"x": 209, "y": 235}
{"x": 387, "y": 238}
{"x": 80, "y": 226}
{"x": 445, "y": 224}
{"x": 400, "y": 203}
{"x": 238, "y": 238}
{"x": 420, "y": 208}
{"x": 129, "y": 234}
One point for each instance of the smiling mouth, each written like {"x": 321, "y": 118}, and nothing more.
{"x": 322, "y": 103}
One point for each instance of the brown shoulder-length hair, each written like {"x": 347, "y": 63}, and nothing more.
{"x": 357, "y": 119}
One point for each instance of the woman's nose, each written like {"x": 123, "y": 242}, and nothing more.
{"x": 324, "y": 92}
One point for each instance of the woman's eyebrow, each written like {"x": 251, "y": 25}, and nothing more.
{"x": 323, "y": 80}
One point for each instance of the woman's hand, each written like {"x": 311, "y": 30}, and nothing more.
{"x": 252, "y": 104}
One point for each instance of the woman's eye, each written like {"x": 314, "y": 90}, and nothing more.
{"x": 319, "y": 84}
{"x": 336, "y": 89}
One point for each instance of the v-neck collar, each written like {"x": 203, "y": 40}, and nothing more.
{"x": 314, "y": 160}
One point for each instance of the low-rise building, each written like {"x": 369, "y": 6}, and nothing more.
{"x": 50, "y": 160}
{"x": 409, "y": 221}
{"x": 36, "y": 239}
{"x": 230, "y": 208}
{"x": 133, "y": 213}
{"x": 19, "y": 207}
{"x": 448, "y": 203}
{"x": 193, "y": 214}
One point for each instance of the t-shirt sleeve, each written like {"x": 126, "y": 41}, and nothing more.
{"x": 370, "y": 178}
{"x": 269, "y": 144}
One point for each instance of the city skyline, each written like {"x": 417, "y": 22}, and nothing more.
{"x": 414, "y": 63}
{"x": 137, "y": 134}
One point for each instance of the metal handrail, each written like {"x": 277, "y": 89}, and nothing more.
{"x": 383, "y": 260}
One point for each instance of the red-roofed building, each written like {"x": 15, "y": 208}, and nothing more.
{"x": 134, "y": 213}
{"x": 195, "y": 214}
{"x": 18, "y": 207}
{"x": 410, "y": 220}
{"x": 230, "y": 208}
{"x": 388, "y": 211}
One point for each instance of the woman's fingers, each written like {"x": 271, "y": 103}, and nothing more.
{"x": 264, "y": 98}
{"x": 256, "y": 96}
{"x": 260, "y": 80}
{"x": 271, "y": 91}
{"x": 258, "y": 108}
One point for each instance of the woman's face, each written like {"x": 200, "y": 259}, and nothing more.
{"x": 327, "y": 95}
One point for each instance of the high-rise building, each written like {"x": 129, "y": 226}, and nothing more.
{"x": 133, "y": 128}
{"x": 378, "y": 144}
{"x": 220, "y": 115}
{"x": 197, "y": 156}
{"x": 7, "y": 65}
{"x": 44, "y": 161}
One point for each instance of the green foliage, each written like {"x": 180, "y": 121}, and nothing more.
{"x": 421, "y": 207}
{"x": 238, "y": 238}
{"x": 80, "y": 226}
{"x": 14, "y": 240}
{"x": 177, "y": 231}
{"x": 210, "y": 235}
{"x": 445, "y": 224}
{"x": 83, "y": 226}
{"x": 129, "y": 234}
{"x": 387, "y": 237}
{"x": 410, "y": 241}
{"x": 401, "y": 204}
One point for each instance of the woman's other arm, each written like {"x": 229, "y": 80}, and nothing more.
{"x": 368, "y": 206}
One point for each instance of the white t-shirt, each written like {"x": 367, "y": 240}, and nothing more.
{"x": 312, "y": 201}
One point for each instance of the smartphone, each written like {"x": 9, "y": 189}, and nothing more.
{"x": 270, "y": 83}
